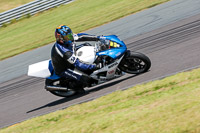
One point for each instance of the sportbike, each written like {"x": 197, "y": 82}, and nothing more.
{"x": 112, "y": 53}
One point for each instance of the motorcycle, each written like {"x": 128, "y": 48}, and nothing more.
{"x": 112, "y": 53}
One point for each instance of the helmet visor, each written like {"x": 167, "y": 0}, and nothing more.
{"x": 69, "y": 37}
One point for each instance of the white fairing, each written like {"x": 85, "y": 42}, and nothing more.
{"x": 86, "y": 54}
{"x": 40, "y": 69}
{"x": 110, "y": 69}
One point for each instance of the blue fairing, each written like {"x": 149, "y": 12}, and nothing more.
{"x": 114, "y": 52}
{"x": 80, "y": 34}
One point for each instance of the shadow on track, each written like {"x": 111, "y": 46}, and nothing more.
{"x": 63, "y": 100}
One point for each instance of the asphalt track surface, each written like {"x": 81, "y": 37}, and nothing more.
{"x": 172, "y": 49}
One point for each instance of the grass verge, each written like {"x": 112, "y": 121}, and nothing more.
{"x": 9, "y": 4}
{"x": 80, "y": 15}
{"x": 164, "y": 106}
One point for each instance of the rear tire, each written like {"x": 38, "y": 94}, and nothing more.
{"x": 135, "y": 63}
{"x": 69, "y": 92}
{"x": 63, "y": 93}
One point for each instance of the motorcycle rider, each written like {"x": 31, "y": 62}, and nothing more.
{"x": 64, "y": 59}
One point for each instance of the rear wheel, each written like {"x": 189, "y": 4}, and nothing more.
{"x": 62, "y": 93}
{"x": 135, "y": 63}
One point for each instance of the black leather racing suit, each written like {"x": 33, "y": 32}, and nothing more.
{"x": 64, "y": 60}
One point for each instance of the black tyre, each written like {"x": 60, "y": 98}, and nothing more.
{"x": 69, "y": 92}
{"x": 63, "y": 93}
{"x": 135, "y": 63}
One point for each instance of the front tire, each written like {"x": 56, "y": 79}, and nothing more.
{"x": 135, "y": 63}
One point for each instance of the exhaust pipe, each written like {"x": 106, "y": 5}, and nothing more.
{"x": 55, "y": 88}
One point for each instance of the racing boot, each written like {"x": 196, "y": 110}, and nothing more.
{"x": 77, "y": 86}
{"x": 87, "y": 81}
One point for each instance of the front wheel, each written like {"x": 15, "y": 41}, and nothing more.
{"x": 135, "y": 63}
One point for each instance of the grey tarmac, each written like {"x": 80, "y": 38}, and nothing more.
{"x": 172, "y": 47}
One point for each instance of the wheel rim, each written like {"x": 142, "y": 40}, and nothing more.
{"x": 134, "y": 65}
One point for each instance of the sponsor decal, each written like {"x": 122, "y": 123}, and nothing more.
{"x": 70, "y": 75}
{"x": 118, "y": 54}
{"x": 111, "y": 53}
{"x": 72, "y": 59}
{"x": 112, "y": 65}
{"x": 111, "y": 72}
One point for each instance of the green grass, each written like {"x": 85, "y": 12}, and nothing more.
{"x": 9, "y": 4}
{"x": 170, "y": 105}
{"x": 80, "y": 15}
